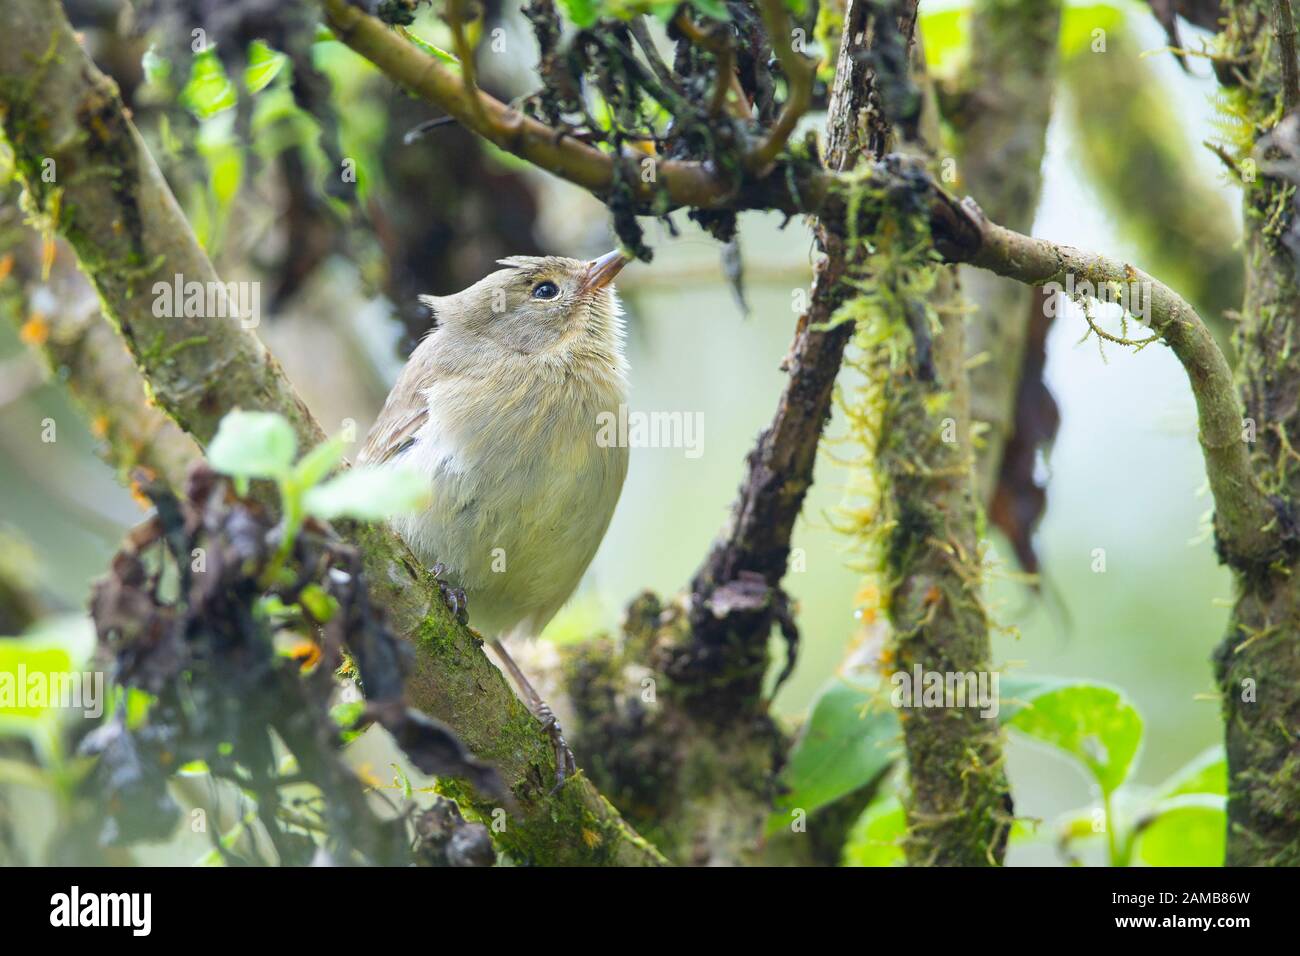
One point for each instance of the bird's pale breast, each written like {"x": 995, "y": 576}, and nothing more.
{"x": 522, "y": 498}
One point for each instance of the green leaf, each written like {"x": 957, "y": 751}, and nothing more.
{"x": 877, "y": 838}
{"x": 849, "y": 739}
{"x": 401, "y": 780}
{"x": 253, "y": 445}
{"x": 321, "y": 605}
{"x": 318, "y": 463}
{"x": 35, "y": 671}
{"x": 157, "y": 69}
{"x": 945, "y": 33}
{"x": 1092, "y": 723}
{"x": 1079, "y": 22}
{"x": 437, "y": 52}
{"x": 369, "y": 494}
{"x": 581, "y": 13}
{"x": 208, "y": 90}
{"x": 1188, "y": 830}
{"x": 1205, "y": 773}
{"x": 1018, "y": 691}
{"x": 264, "y": 65}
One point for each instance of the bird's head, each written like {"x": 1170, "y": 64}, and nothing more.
{"x": 536, "y": 304}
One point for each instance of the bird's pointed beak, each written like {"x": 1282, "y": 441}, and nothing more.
{"x": 601, "y": 272}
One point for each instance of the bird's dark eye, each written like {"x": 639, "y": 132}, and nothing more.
{"x": 545, "y": 290}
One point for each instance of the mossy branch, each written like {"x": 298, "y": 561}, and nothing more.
{"x": 110, "y": 201}
{"x": 1245, "y": 519}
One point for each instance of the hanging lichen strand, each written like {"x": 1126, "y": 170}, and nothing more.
{"x": 914, "y": 524}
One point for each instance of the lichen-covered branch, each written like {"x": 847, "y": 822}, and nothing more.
{"x": 109, "y": 200}
{"x": 1247, "y": 523}
{"x": 1135, "y": 150}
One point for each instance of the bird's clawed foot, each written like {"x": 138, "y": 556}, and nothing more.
{"x": 452, "y": 596}
{"x": 565, "y": 763}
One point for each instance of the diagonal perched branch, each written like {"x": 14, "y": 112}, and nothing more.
{"x": 111, "y": 203}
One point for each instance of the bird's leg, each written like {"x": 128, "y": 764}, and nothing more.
{"x": 452, "y": 596}
{"x": 565, "y": 763}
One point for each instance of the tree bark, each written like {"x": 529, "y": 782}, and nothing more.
{"x": 109, "y": 200}
{"x": 1258, "y": 663}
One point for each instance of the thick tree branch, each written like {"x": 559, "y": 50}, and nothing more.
{"x": 111, "y": 203}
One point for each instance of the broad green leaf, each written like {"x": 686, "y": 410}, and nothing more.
{"x": 208, "y": 90}
{"x": 264, "y": 65}
{"x": 1018, "y": 691}
{"x": 253, "y": 445}
{"x": 369, "y": 494}
{"x": 1092, "y": 723}
{"x": 318, "y": 463}
{"x": 1205, "y": 773}
{"x": 877, "y": 838}
{"x": 1188, "y": 830}
{"x": 850, "y": 737}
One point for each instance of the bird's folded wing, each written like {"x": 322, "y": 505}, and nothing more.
{"x": 392, "y": 433}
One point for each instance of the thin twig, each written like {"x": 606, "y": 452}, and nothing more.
{"x": 799, "y": 79}
{"x": 455, "y": 17}
{"x": 641, "y": 33}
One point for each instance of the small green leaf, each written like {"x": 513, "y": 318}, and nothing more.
{"x": 369, "y": 494}
{"x": 345, "y": 716}
{"x": 318, "y": 463}
{"x": 849, "y": 739}
{"x": 264, "y": 65}
{"x": 157, "y": 69}
{"x": 877, "y": 838}
{"x": 208, "y": 90}
{"x": 1188, "y": 830}
{"x": 581, "y": 13}
{"x": 1205, "y": 773}
{"x": 437, "y": 52}
{"x": 1092, "y": 723}
{"x": 402, "y": 780}
{"x": 319, "y": 604}
{"x": 253, "y": 445}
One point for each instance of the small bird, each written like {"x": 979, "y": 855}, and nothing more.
{"x": 499, "y": 406}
